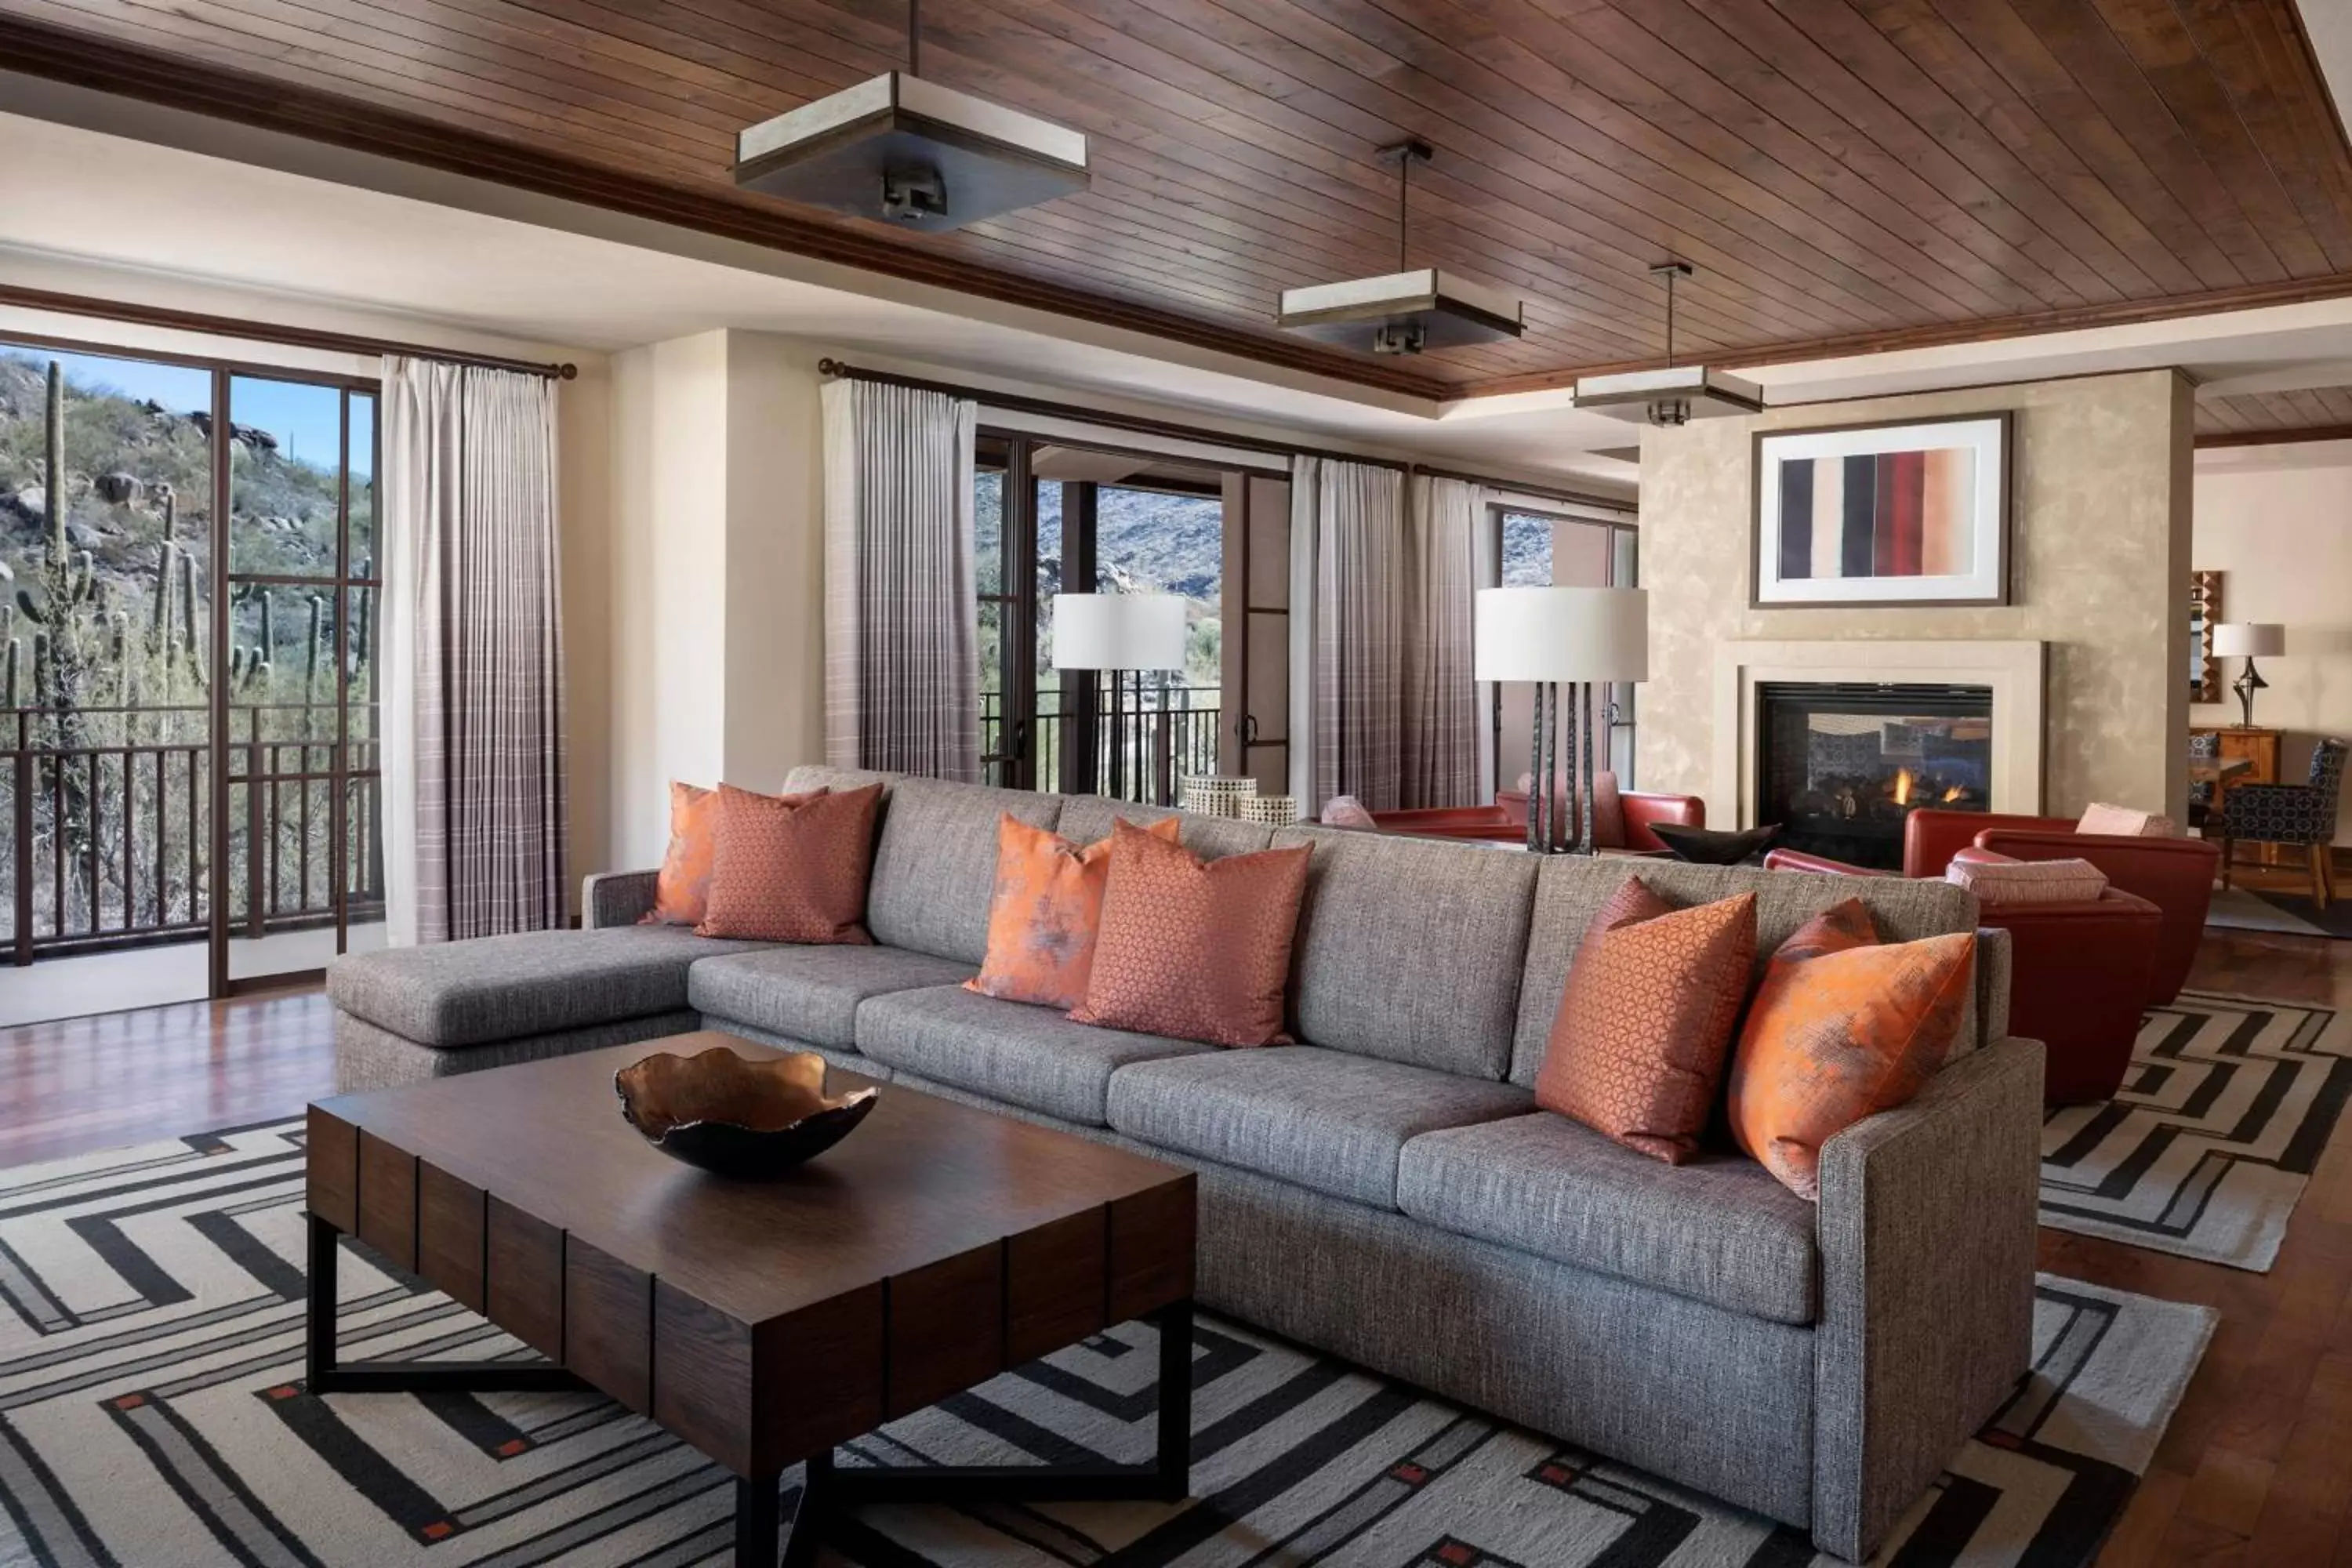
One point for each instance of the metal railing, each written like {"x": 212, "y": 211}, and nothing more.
{"x": 107, "y": 837}
{"x": 1143, "y": 742}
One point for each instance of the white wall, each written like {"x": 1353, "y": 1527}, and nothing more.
{"x": 716, "y": 624}
{"x": 2276, "y": 522}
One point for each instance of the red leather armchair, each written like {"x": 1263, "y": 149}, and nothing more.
{"x": 1505, "y": 821}
{"x": 2079, "y": 978}
{"x": 2176, "y": 875}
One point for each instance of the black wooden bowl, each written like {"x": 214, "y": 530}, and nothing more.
{"x": 753, "y": 1120}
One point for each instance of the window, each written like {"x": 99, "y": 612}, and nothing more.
{"x": 1050, "y": 517}
{"x": 178, "y": 761}
{"x": 1539, "y": 549}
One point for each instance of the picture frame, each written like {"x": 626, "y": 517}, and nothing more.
{"x": 2204, "y": 615}
{"x": 1908, "y": 513}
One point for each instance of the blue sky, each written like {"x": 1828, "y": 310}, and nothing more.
{"x": 302, "y": 416}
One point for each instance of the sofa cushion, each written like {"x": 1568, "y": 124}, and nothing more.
{"x": 1029, "y": 1057}
{"x": 812, "y": 994}
{"x": 1087, "y": 817}
{"x": 1719, "y": 1229}
{"x": 1410, "y": 949}
{"x": 935, "y": 865}
{"x": 1323, "y": 1119}
{"x": 532, "y": 983}
{"x": 1570, "y": 890}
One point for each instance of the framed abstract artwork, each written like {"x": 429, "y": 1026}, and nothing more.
{"x": 1903, "y": 513}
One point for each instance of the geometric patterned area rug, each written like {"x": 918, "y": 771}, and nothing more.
{"x": 2288, "y": 914}
{"x": 150, "y": 1413}
{"x": 2207, "y": 1148}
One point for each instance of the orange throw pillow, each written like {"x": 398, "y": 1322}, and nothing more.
{"x": 792, "y": 868}
{"x": 1840, "y": 1029}
{"x": 682, "y": 886}
{"x": 1194, "y": 950}
{"x": 1637, "y": 1048}
{"x": 1043, "y": 916}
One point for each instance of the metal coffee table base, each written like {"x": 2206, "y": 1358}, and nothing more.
{"x": 761, "y": 1540}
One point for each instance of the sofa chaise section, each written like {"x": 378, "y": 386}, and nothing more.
{"x": 412, "y": 1013}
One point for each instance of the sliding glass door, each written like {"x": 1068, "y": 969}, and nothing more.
{"x": 1053, "y": 517}
{"x": 303, "y": 858}
{"x": 186, "y": 794}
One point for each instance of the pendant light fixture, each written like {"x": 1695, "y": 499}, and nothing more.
{"x": 1674, "y": 395}
{"x": 1407, "y": 311}
{"x": 902, "y": 150}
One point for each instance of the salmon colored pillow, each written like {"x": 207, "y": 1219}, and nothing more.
{"x": 682, "y": 886}
{"x": 1191, "y": 949}
{"x": 1043, "y": 916}
{"x": 792, "y": 868}
{"x": 1842, "y": 1027}
{"x": 1637, "y": 1048}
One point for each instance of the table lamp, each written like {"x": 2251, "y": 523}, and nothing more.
{"x": 1113, "y": 634}
{"x": 1579, "y": 637}
{"x": 2249, "y": 640}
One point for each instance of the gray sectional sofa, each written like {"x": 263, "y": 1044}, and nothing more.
{"x": 1386, "y": 1189}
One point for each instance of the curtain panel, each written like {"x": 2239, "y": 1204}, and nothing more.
{"x": 901, "y": 604}
{"x": 472, "y": 708}
{"x": 1349, "y": 566}
{"x": 1442, "y": 755}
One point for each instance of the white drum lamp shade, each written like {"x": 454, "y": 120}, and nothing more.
{"x": 1569, "y": 635}
{"x": 2249, "y": 639}
{"x": 1119, "y": 631}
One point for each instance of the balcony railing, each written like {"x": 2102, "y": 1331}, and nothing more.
{"x": 107, "y": 837}
{"x": 1142, "y": 744}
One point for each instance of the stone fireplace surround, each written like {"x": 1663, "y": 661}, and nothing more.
{"x": 2018, "y": 672}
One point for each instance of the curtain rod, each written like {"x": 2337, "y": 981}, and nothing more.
{"x": 1195, "y": 433}
{"x": 259, "y": 331}
{"x": 1108, "y": 421}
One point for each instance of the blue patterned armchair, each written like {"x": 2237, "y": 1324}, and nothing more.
{"x": 2302, "y": 813}
{"x": 2203, "y": 747}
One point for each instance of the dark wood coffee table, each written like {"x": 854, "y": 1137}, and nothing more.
{"x": 761, "y": 1323}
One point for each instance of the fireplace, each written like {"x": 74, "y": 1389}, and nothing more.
{"x": 1840, "y": 765}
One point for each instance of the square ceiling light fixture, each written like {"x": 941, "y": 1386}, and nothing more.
{"x": 1407, "y": 311}
{"x": 1672, "y": 394}
{"x": 901, "y": 150}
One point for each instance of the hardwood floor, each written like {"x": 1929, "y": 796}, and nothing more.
{"x": 2256, "y": 1468}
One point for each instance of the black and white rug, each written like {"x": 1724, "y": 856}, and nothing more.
{"x": 2207, "y": 1147}
{"x": 149, "y": 1414}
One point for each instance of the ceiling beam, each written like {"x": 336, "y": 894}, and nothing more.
{"x": 2273, "y": 437}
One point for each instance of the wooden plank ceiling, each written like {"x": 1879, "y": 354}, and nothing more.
{"x": 2252, "y": 419}
{"x": 1845, "y": 174}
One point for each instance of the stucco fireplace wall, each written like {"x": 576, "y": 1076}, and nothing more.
{"x": 2099, "y": 562}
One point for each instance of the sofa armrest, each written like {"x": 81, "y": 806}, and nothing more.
{"x": 1815, "y": 865}
{"x": 616, "y": 899}
{"x": 1927, "y": 1255}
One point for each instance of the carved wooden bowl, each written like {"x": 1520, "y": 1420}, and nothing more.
{"x": 753, "y": 1120}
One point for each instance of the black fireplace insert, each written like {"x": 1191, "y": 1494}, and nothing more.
{"x": 1840, "y": 765}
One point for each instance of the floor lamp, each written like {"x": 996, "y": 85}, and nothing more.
{"x": 1113, "y": 634}
{"x": 1576, "y": 638}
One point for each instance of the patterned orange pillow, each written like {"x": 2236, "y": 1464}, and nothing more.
{"x": 1194, "y": 950}
{"x": 792, "y": 868}
{"x": 1840, "y": 1029}
{"x": 1043, "y": 914}
{"x": 1637, "y": 1048}
{"x": 682, "y": 887}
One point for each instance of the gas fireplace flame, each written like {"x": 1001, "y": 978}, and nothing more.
{"x": 1904, "y": 783}
{"x": 1955, "y": 793}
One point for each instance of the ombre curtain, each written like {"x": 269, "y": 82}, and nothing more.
{"x": 1441, "y": 729}
{"x": 1348, "y": 568}
{"x": 901, "y": 603}
{"x": 472, "y": 701}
